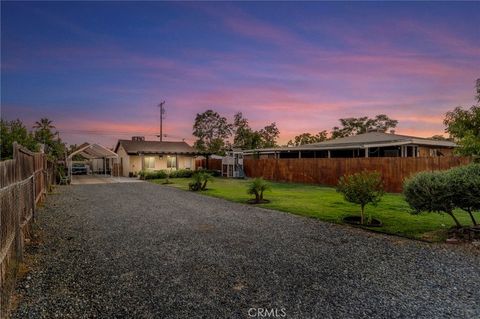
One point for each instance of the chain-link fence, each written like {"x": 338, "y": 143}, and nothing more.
{"x": 24, "y": 180}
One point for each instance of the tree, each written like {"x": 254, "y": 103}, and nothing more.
{"x": 242, "y": 131}
{"x": 257, "y": 187}
{"x": 307, "y": 138}
{"x": 464, "y": 184}
{"x": 430, "y": 192}
{"x": 440, "y": 138}
{"x": 212, "y": 132}
{"x": 354, "y": 126}
{"x": 45, "y": 134}
{"x": 464, "y": 127}
{"x": 14, "y": 131}
{"x": 246, "y": 138}
{"x": 269, "y": 135}
{"x": 361, "y": 188}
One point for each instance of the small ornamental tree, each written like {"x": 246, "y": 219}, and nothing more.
{"x": 257, "y": 187}
{"x": 361, "y": 188}
{"x": 430, "y": 192}
{"x": 464, "y": 182}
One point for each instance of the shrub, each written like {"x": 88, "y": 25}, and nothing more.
{"x": 199, "y": 181}
{"x": 181, "y": 173}
{"x": 431, "y": 192}
{"x": 257, "y": 187}
{"x": 153, "y": 174}
{"x": 464, "y": 182}
{"x": 361, "y": 188}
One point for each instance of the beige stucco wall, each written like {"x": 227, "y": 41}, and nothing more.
{"x": 182, "y": 161}
{"x": 124, "y": 159}
{"x": 133, "y": 163}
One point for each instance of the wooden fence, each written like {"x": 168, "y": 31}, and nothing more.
{"x": 24, "y": 181}
{"x": 211, "y": 163}
{"x": 327, "y": 171}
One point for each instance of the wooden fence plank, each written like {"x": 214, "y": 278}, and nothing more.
{"x": 22, "y": 180}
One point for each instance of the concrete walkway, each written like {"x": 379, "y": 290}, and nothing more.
{"x": 139, "y": 250}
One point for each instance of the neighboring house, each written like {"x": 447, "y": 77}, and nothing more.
{"x": 137, "y": 154}
{"x": 371, "y": 144}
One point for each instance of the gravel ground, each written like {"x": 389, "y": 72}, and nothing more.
{"x": 148, "y": 251}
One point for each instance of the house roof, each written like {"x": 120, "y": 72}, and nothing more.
{"x": 370, "y": 139}
{"x": 155, "y": 147}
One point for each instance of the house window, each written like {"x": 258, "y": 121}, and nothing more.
{"x": 171, "y": 161}
{"x": 150, "y": 162}
{"x": 188, "y": 163}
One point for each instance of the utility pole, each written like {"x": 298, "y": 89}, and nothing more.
{"x": 162, "y": 113}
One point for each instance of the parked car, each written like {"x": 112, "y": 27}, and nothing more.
{"x": 79, "y": 169}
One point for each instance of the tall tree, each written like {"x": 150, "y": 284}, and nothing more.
{"x": 243, "y": 135}
{"x": 269, "y": 135}
{"x": 307, "y": 138}
{"x": 212, "y": 132}
{"x": 354, "y": 126}
{"x": 45, "y": 133}
{"x": 247, "y": 138}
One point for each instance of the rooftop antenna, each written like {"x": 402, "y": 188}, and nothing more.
{"x": 162, "y": 116}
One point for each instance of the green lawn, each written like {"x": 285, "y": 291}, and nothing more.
{"x": 326, "y": 204}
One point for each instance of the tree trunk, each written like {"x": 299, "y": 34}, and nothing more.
{"x": 257, "y": 197}
{"x": 455, "y": 219}
{"x": 261, "y": 195}
{"x": 362, "y": 218}
{"x": 471, "y": 216}
{"x": 204, "y": 185}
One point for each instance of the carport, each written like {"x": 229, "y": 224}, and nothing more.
{"x": 100, "y": 158}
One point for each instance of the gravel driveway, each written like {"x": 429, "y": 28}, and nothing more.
{"x": 148, "y": 251}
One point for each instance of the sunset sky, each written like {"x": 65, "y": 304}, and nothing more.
{"x": 98, "y": 70}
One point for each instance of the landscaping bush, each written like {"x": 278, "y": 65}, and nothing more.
{"x": 362, "y": 188}
{"x": 431, "y": 192}
{"x": 153, "y": 174}
{"x": 464, "y": 182}
{"x": 199, "y": 181}
{"x": 257, "y": 187}
{"x": 181, "y": 173}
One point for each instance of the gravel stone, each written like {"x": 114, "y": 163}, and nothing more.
{"x": 139, "y": 250}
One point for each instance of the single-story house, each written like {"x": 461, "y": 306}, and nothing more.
{"x": 371, "y": 144}
{"x": 137, "y": 154}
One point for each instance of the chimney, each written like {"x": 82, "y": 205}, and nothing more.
{"x": 138, "y": 138}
